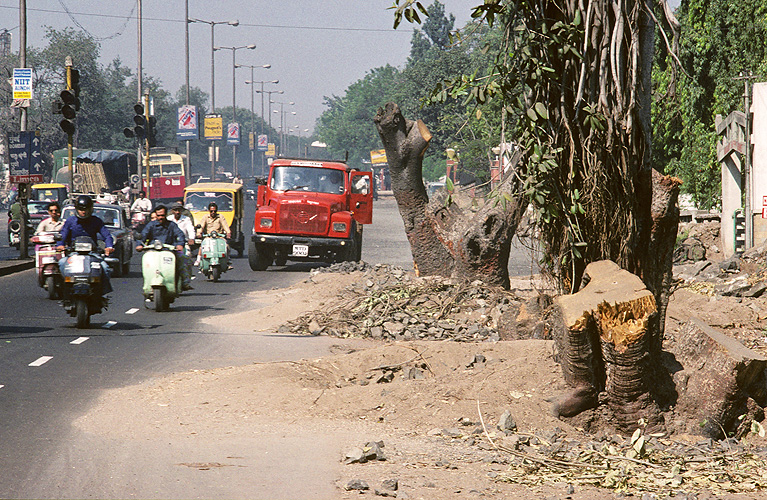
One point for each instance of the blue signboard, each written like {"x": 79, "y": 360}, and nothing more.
{"x": 233, "y": 134}
{"x": 26, "y": 159}
{"x": 188, "y": 123}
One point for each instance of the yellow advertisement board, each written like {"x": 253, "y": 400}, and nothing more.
{"x": 271, "y": 150}
{"x": 214, "y": 128}
{"x": 378, "y": 156}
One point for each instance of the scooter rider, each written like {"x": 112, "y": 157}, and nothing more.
{"x": 142, "y": 204}
{"x": 84, "y": 223}
{"x": 168, "y": 233}
{"x": 187, "y": 227}
{"x": 214, "y": 222}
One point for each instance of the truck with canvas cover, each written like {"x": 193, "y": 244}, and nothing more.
{"x": 310, "y": 210}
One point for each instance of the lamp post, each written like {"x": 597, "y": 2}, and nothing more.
{"x": 252, "y": 92}
{"x": 282, "y": 122}
{"x": 213, "y": 79}
{"x": 252, "y": 111}
{"x": 234, "y": 50}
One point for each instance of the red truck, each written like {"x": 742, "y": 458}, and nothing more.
{"x": 310, "y": 210}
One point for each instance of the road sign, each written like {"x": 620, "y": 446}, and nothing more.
{"x": 22, "y": 83}
{"x": 271, "y": 150}
{"x": 378, "y": 156}
{"x": 233, "y": 134}
{"x": 263, "y": 142}
{"x": 26, "y": 159}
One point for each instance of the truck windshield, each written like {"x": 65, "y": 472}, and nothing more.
{"x": 198, "y": 201}
{"x": 317, "y": 180}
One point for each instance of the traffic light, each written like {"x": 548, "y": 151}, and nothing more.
{"x": 139, "y": 130}
{"x": 70, "y": 101}
{"x": 151, "y": 130}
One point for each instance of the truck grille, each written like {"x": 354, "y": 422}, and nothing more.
{"x": 303, "y": 218}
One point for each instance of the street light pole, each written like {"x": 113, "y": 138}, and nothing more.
{"x": 234, "y": 97}
{"x": 282, "y": 124}
{"x": 188, "y": 176}
{"x": 213, "y": 80}
{"x": 252, "y": 111}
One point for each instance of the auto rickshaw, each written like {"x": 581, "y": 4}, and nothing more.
{"x": 229, "y": 196}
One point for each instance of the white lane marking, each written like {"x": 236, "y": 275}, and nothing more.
{"x": 79, "y": 340}
{"x": 41, "y": 361}
{"x": 1, "y": 386}
{"x": 109, "y": 324}
{"x": 132, "y": 310}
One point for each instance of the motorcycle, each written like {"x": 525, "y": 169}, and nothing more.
{"x": 162, "y": 279}
{"x": 82, "y": 289}
{"x": 47, "y": 263}
{"x": 138, "y": 220}
{"x": 214, "y": 255}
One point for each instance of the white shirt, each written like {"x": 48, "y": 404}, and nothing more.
{"x": 186, "y": 226}
{"x": 141, "y": 205}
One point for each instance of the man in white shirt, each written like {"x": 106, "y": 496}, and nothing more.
{"x": 142, "y": 204}
{"x": 187, "y": 227}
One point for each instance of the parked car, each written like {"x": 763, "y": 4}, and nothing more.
{"x": 117, "y": 222}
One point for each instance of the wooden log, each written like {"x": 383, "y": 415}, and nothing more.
{"x": 720, "y": 380}
{"x": 603, "y": 341}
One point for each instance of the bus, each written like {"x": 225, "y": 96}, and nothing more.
{"x": 166, "y": 179}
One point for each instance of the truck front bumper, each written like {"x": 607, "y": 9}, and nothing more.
{"x": 318, "y": 247}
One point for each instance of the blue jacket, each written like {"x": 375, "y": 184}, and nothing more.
{"x": 92, "y": 226}
{"x": 169, "y": 233}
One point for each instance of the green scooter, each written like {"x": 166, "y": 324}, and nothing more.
{"x": 214, "y": 255}
{"x": 162, "y": 281}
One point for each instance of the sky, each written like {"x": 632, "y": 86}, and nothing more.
{"x": 316, "y": 48}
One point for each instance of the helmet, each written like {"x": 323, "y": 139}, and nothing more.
{"x": 85, "y": 203}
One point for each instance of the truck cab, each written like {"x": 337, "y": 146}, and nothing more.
{"x": 310, "y": 210}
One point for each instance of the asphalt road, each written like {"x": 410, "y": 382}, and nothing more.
{"x": 51, "y": 372}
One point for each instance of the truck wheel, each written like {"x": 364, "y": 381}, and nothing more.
{"x": 259, "y": 256}
{"x": 83, "y": 318}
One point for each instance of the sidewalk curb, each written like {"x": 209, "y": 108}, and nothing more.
{"x": 9, "y": 266}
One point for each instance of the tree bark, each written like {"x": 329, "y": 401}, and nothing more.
{"x": 446, "y": 238}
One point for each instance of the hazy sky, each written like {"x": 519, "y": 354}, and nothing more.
{"x": 316, "y": 48}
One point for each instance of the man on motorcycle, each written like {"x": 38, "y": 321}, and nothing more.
{"x": 168, "y": 233}
{"x": 52, "y": 224}
{"x": 84, "y": 223}
{"x": 142, "y": 204}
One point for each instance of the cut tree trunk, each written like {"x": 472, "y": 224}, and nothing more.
{"x": 721, "y": 380}
{"x": 446, "y": 238}
{"x": 603, "y": 335}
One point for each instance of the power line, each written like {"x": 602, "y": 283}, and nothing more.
{"x": 98, "y": 39}
{"x": 181, "y": 21}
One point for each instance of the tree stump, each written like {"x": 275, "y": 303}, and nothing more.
{"x": 603, "y": 335}
{"x": 445, "y": 238}
{"x": 720, "y": 381}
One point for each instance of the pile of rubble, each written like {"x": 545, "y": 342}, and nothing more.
{"x": 389, "y": 303}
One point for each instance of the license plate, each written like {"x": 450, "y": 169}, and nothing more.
{"x": 300, "y": 250}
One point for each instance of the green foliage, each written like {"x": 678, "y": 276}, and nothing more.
{"x": 719, "y": 40}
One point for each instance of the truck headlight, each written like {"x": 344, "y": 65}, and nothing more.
{"x": 339, "y": 227}
{"x": 267, "y": 223}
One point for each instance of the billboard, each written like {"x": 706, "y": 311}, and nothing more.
{"x": 378, "y": 157}
{"x": 233, "y": 134}
{"x": 271, "y": 150}
{"x": 263, "y": 142}
{"x": 188, "y": 127}
{"x": 214, "y": 127}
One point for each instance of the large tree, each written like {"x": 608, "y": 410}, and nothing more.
{"x": 575, "y": 83}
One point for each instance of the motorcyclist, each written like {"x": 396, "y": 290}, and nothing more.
{"x": 84, "y": 223}
{"x": 52, "y": 224}
{"x": 187, "y": 227}
{"x": 214, "y": 222}
{"x": 167, "y": 232}
{"x": 142, "y": 204}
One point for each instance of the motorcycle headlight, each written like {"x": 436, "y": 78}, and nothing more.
{"x": 157, "y": 245}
